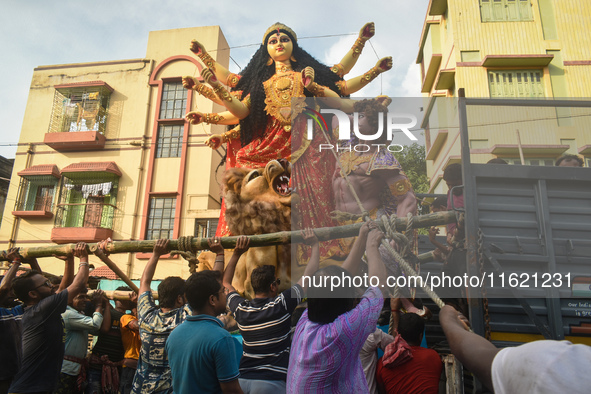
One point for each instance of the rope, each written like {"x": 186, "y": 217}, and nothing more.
{"x": 391, "y": 233}
{"x": 364, "y": 213}
{"x": 409, "y": 229}
{"x": 408, "y": 270}
{"x": 185, "y": 250}
{"x": 391, "y": 325}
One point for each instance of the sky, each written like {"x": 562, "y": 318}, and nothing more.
{"x": 39, "y": 32}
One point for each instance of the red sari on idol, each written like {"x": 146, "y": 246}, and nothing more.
{"x": 285, "y": 138}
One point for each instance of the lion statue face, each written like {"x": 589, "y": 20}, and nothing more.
{"x": 258, "y": 201}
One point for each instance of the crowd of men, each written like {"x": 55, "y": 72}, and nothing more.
{"x": 327, "y": 345}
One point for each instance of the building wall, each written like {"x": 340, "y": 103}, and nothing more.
{"x": 468, "y": 47}
{"x": 131, "y": 133}
{"x": 5, "y": 172}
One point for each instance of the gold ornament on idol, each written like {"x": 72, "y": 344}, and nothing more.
{"x": 212, "y": 118}
{"x": 231, "y": 134}
{"x": 338, "y": 69}
{"x": 205, "y": 91}
{"x": 350, "y": 161}
{"x": 279, "y": 26}
{"x": 283, "y": 68}
{"x": 222, "y": 93}
{"x": 358, "y": 47}
{"x": 279, "y": 90}
{"x": 207, "y": 60}
{"x": 370, "y": 75}
{"x": 316, "y": 90}
{"x": 232, "y": 80}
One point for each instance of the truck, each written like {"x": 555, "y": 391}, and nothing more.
{"x": 528, "y": 237}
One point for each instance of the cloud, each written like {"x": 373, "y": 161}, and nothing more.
{"x": 411, "y": 84}
{"x": 34, "y": 33}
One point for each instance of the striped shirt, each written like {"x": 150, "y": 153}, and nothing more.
{"x": 265, "y": 325}
{"x": 325, "y": 357}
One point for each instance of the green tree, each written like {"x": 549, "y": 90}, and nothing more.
{"x": 414, "y": 163}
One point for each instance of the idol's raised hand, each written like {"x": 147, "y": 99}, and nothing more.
{"x": 384, "y": 64}
{"x": 196, "y": 47}
{"x": 367, "y": 31}
{"x": 195, "y": 117}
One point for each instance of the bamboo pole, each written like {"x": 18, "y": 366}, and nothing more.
{"x": 423, "y": 258}
{"x": 119, "y": 294}
{"x": 198, "y": 243}
{"x": 426, "y": 257}
{"x": 118, "y": 272}
{"x": 520, "y": 148}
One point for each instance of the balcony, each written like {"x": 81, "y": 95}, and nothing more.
{"x": 87, "y": 205}
{"x": 79, "y": 116}
{"x": 430, "y": 54}
{"x": 85, "y": 223}
{"x": 36, "y": 192}
{"x": 68, "y": 235}
{"x": 69, "y": 141}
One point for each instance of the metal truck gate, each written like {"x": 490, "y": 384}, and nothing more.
{"x": 531, "y": 224}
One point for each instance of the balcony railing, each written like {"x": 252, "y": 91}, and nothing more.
{"x": 98, "y": 215}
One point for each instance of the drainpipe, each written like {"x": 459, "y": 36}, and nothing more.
{"x": 16, "y": 221}
{"x": 140, "y": 176}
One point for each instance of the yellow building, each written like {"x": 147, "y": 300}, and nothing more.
{"x": 505, "y": 49}
{"x": 105, "y": 151}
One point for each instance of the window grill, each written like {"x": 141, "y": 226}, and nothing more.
{"x": 79, "y": 109}
{"x": 170, "y": 141}
{"x": 161, "y": 217}
{"x": 530, "y": 161}
{"x": 87, "y": 199}
{"x": 205, "y": 228}
{"x": 36, "y": 193}
{"x": 174, "y": 101}
{"x": 506, "y": 10}
{"x": 516, "y": 83}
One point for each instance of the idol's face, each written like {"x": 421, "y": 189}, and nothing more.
{"x": 279, "y": 46}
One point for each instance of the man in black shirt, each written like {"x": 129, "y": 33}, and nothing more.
{"x": 106, "y": 353}
{"x": 43, "y": 329}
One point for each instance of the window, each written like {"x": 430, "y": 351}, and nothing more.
{"x": 505, "y": 10}
{"x": 36, "y": 191}
{"x": 205, "y": 228}
{"x": 87, "y": 201}
{"x": 174, "y": 101}
{"x": 172, "y": 106}
{"x": 36, "y": 194}
{"x": 161, "y": 217}
{"x": 170, "y": 141}
{"x": 478, "y": 144}
{"x": 531, "y": 161}
{"x": 88, "y": 195}
{"x": 515, "y": 83}
{"x": 80, "y": 108}
{"x": 470, "y": 56}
